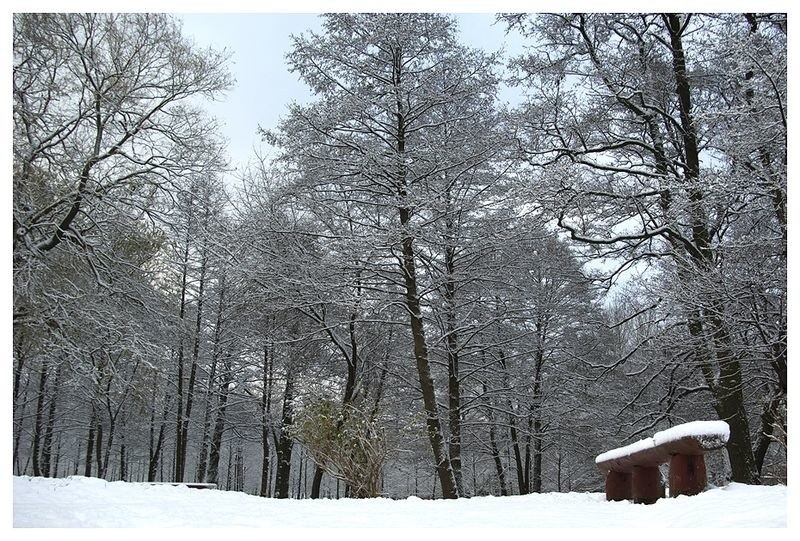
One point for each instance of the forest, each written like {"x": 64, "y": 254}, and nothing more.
{"x": 423, "y": 290}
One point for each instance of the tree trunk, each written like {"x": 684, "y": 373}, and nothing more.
{"x": 112, "y": 425}
{"x": 47, "y": 447}
{"x": 516, "y": 448}
{"x": 408, "y": 266}
{"x": 442, "y": 461}
{"x": 123, "y": 463}
{"x": 536, "y": 406}
{"x": 512, "y": 428}
{"x": 19, "y": 392}
{"x": 498, "y": 463}
{"x": 316, "y": 484}
{"x": 193, "y": 367}
{"x": 238, "y": 469}
{"x": 453, "y": 383}
{"x": 38, "y": 419}
{"x": 284, "y": 443}
{"x": 301, "y": 468}
{"x": 87, "y": 468}
{"x": 155, "y": 450}
{"x": 98, "y": 449}
{"x": 536, "y": 470}
{"x": 730, "y": 407}
{"x": 219, "y": 425}
{"x": 179, "y": 450}
{"x": 729, "y": 399}
{"x": 266, "y": 402}
{"x": 768, "y": 419}
{"x": 526, "y": 476}
{"x": 202, "y": 459}
{"x": 19, "y": 362}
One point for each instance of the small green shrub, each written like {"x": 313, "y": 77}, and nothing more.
{"x": 346, "y": 442}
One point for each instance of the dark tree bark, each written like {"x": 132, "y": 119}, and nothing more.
{"x": 303, "y": 468}
{"x": 219, "y": 424}
{"x": 123, "y": 463}
{"x": 39, "y": 418}
{"x": 266, "y": 423}
{"x": 87, "y": 469}
{"x": 536, "y": 468}
{"x": 536, "y": 406}
{"x": 98, "y": 449}
{"x": 496, "y": 458}
{"x": 728, "y": 396}
{"x": 434, "y": 428}
{"x": 19, "y": 362}
{"x": 202, "y": 461}
{"x": 768, "y": 420}
{"x": 453, "y": 382}
{"x": 516, "y": 447}
{"x": 19, "y": 414}
{"x": 316, "y": 483}
{"x": 284, "y": 442}
{"x": 179, "y": 416}
{"x": 20, "y": 390}
{"x": 184, "y": 430}
{"x": 408, "y": 266}
{"x": 156, "y": 442}
{"x": 48, "y": 467}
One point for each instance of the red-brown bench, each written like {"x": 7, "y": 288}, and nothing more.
{"x": 632, "y": 471}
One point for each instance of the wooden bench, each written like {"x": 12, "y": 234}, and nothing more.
{"x": 632, "y": 471}
{"x": 210, "y": 486}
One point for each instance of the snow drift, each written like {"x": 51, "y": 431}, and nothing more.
{"x": 76, "y": 502}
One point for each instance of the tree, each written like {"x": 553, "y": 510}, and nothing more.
{"x": 101, "y": 111}
{"x": 106, "y": 124}
{"x": 625, "y": 125}
{"x": 385, "y": 89}
{"x": 200, "y": 210}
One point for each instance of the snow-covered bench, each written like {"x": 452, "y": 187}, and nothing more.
{"x": 632, "y": 471}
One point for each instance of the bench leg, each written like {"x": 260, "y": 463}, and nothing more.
{"x": 618, "y": 486}
{"x": 645, "y": 484}
{"x": 687, "y": 475}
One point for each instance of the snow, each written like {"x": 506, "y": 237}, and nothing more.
{"x": 621, "y": 452}
{"x": 81, "y": 502}
{"x": 714, "y": 432}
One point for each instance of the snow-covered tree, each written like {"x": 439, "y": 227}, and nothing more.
{"x": 662, "y": 138}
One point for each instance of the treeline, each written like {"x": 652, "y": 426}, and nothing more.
{"x": 426, "y": 291}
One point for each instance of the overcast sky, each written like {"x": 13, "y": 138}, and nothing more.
{"x": 264, "y": 87}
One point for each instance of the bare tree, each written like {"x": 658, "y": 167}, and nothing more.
{"x": 650, "y": 186}
{"x": 372, "y": 133}
{"x": 106, "y": 123}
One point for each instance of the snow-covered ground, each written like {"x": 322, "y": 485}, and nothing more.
{"x": 88, "y": 502}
